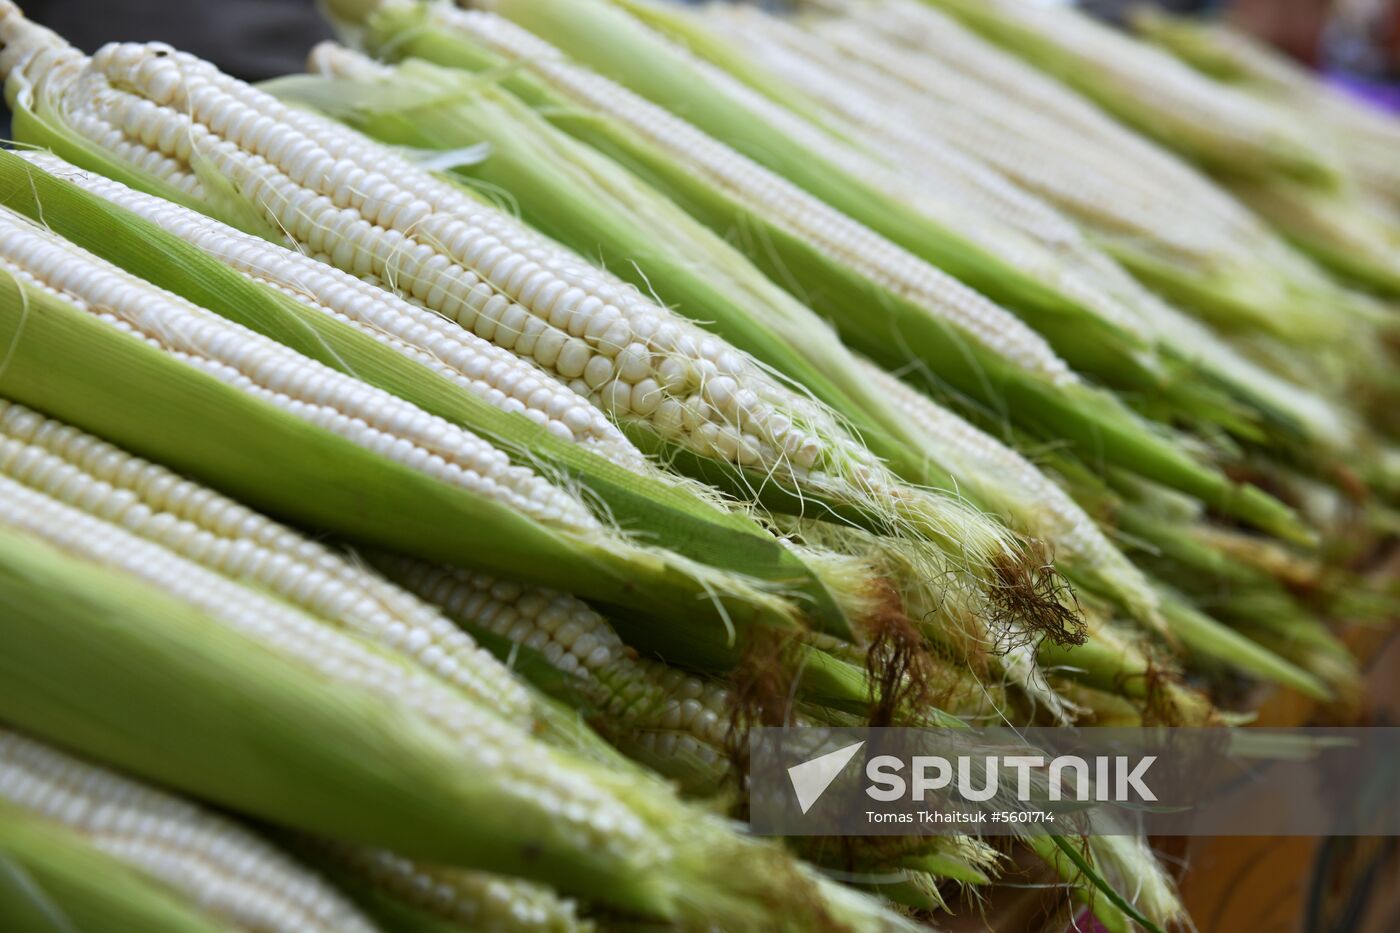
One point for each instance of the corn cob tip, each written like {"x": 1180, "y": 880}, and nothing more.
{"x": 20, "y": 41}
{"x": 330, "y": 59}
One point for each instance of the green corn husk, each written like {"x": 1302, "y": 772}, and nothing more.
{"x": 250, "y": 731}
{"x": 94, "y": 659}
{"x": 1094, "y": 421}
{"x": 1215, "y": 126}
{"x": 53, "y": 881}
{"x": 663, "y": 513}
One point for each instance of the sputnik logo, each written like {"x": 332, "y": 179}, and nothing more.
{"x": 811, "y": 778}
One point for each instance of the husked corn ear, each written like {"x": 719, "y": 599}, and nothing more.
{"x": 375, "y": 214}
{"x": 207, "y": 859}
{"x": 844, "y": 239}
{"x": 368, "y": 416}
{"x": 495, "y": 374}
{"x": 225, "y": 537}
{"x": 641, "y": 699}
{"x": 465, "y": 899}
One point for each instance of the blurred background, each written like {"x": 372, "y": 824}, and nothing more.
{"x": 1356, "y": 42}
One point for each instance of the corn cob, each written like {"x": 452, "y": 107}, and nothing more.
{"x": 315, "y": 648}
{"x": 243, "y": 609}
{"x": 390, "y": 886}
{"x": 679, "y": 720}
{"x": 51, "y": 879}
{"x": 673, "y": 151}
{"x": 476, "y": 365}
{"x": 213, "y": 864}
{"x": 370, "y": 418}
{"x": 709, "y": 398}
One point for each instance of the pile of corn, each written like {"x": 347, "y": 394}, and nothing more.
{"x": 418, "y": 475}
